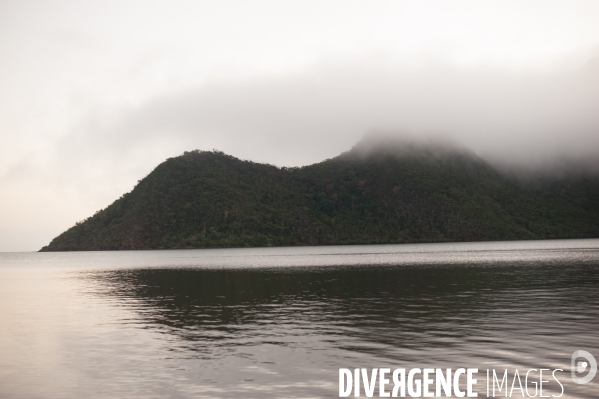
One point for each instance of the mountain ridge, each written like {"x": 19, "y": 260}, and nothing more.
{"x": 394, "y": 193}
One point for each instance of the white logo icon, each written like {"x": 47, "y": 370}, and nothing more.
{"x": 581, "y": 366}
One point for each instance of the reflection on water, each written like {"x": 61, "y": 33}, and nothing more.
{"x": 514, "y": 316}
{"x": 197, "y": 328}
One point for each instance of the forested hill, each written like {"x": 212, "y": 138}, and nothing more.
{"x": 391, "y": 195}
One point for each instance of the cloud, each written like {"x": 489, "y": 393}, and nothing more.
{"x": 305, "y": 117}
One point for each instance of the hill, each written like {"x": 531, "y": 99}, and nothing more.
{"x": 371, "y": 194}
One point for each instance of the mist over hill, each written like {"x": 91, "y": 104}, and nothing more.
{"x": 379, "y": 192}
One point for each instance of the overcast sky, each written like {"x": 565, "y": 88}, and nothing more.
{"x": 95, "y": 94}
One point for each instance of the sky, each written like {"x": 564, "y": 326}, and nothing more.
{"x": 95, "y": 94}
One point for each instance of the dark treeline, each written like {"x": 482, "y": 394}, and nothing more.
{"x": 416, "y": 194}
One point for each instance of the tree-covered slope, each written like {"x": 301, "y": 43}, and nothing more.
{"x": 383, "y": 195}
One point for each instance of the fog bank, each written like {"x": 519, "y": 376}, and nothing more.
{"x": 297, "y": 119}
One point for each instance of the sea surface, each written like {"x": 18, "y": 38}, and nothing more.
{"x": 280, "y": 322}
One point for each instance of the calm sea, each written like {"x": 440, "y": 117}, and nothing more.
{"x": 280, "y": 322}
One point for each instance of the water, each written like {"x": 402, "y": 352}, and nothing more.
{"x": 280, "y": 322}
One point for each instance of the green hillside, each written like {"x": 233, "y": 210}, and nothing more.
{"x": 385, "y": 195}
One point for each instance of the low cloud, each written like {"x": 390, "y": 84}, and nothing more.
{"x": 304, "y": 118}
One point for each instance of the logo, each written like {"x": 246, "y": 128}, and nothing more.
{"x": 580, "y": 366}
